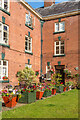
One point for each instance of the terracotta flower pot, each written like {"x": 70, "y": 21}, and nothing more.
{"x": 5, "y": 79}
{"x": 39, "y": 94}
{"x": 9, "y": 103}
{"x": 53, "y": 91}
{"x": 64, "y": 89}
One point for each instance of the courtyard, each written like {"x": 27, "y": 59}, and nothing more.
{"x": 63, "y": 105}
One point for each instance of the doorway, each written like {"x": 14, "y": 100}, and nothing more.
{"x": 60, "y": 69}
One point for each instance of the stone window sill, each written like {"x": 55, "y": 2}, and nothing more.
{"x": 29, "y": 26}
{"x": 58, "y": 32}
{"x": 5, "y": 45}
{"x": 29, "y": 53}
{"x": 4, "y": 81}
{"x": 5, "y": 11}
{"x": 58, "y": 55}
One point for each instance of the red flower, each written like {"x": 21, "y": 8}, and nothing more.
{"x": 23, "y": 90}
{"x": 34, "y": 86}
{"x": 61, "y": 82}
{"x": 24, "y": 87}
{"x": 41, "y": 88}
{"x": 9, "y": 95}
{"x": 54, "y": 83}
{"x": 29, "y": 91}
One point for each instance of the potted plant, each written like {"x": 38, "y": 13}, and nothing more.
{"x": 10, "y": 99}
{"x": 28, "y": 95}
{"x": 58, "y": 84}
{"x": 53, "y": 87}
{"x": 47, "y": 91}
{"x": 27, "y": 76}
{"x": 39, "y": 91}
{"x": 5, "y": 78}
{"x": 65, "y": 87}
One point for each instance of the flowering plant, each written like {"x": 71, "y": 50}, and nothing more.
{"x": 40, "y": 87}
{"x": 28, "y": 89}
{"x": 56, "y": 79}
{"x": 5, "y": 77}
{"x": 47, "y": 88}
{"x": 10, "y": 94}
{"x": 37, "y": 72}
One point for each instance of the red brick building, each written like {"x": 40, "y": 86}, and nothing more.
{"x": 60, "y": 37}
{"x": 43, "y": 38}
{"x": 20, "y": 39}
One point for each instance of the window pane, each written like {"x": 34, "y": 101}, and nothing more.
{"x": 4, "y": 71}
{"x": 62, "y": 42}
{"x": 5, "y": 28}
{"x": 0, "y": 3}
{"x": 57, "y": 50}
{"x": 62, "y": 49}
{"x": 5, "y": 4}
{"x": 28, "y": 44}
{"x": 61, "y": 26}
{"x": 4, "y": 63}
{"x": 57, "y": 43}
{"x": 56, "y": 27}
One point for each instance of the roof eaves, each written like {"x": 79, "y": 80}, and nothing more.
{"x": 31, "y": 9}
{"x": 62, "y": 13}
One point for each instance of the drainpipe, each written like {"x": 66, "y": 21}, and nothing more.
{"x": 42, "y": 22}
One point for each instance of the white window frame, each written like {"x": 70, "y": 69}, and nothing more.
{"x": 58, "y": 26}
{"x": 1, "y": 66}
{"x": 29, "y": 19}
{"x": 59, "y": 47}
{"x": 2, "y": 4}
{"x": 30, "y": 51}
{"x": 47, "y": 68}
{"x": 28, "y": 65}
{"x": 2, "y": 34}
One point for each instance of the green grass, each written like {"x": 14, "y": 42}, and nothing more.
{"x": 63, "y": 105}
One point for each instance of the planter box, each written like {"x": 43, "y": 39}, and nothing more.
{"x": 47, "y": 93}
{"x": 0, "y": 106}
{"x": 39, "y": 95}
{"x": 64, "y": 89}
{"x": 59, "y": 89}
{"x": 9, "y": 103}
{"x": 28, "y": 97}
{"x": 53, "y": 91}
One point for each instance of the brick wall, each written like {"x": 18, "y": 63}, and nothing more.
{"x": 70, "y": 36}
{"x": 16, "y": 55}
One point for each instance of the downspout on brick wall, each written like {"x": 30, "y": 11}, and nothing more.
{"x": 42, "y": 22}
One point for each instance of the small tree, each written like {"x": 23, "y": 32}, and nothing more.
{"x": 27, "y": 75}
{"x": 57, "y": 79}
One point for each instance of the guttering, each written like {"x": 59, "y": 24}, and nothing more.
{"x": 31, "y": 9}
{"x": 61, "y": 15}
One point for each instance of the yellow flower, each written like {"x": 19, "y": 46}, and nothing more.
{"x": 7, "y": 94}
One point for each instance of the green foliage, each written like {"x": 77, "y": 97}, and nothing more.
{"x": 58, "y": 106}
{"x": 57, "y": 78}
{"x": 27, "y": 75}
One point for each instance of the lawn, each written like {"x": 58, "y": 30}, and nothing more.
{"x": 63, "y": 105}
